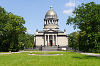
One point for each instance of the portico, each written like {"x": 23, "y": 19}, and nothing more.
{"x": 50, "y": 40}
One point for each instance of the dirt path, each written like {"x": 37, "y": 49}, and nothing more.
{"x": 4, "y": 53}
{"x": 92, "y": 54}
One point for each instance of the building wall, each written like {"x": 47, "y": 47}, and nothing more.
{"x": 39, "y": 41}
{"x": 62, "y": 40}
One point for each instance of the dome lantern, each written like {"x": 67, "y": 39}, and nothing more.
{"x": 51, "y": 7}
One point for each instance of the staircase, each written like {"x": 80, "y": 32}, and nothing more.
{"x": 50, "y": 48}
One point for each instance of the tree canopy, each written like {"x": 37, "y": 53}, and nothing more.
{"x": 11, "y": 26}
{"x": 87, "y": 19}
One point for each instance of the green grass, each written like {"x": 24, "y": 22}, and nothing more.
{"x": 32, "y": 50}
{"x": 4, "y": 52}
{"x": 67, "y": 59}
{"x": 67, "y": 50}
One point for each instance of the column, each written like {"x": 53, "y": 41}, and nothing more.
{"x": 52, "y": 22}
{"x": 47, "y": 21}
{"x": 53, "y": 39}
{"x": 45, "y": 40}
{"x": 56, "y": 21}
{"x": 56, "y": 40}
{"x": 48, "y": 40}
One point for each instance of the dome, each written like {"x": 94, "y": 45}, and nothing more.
{"x": 51, "y": 14}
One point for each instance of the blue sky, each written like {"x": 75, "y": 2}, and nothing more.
{"x": 34, "y": 11}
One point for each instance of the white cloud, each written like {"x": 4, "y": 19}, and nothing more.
{"x": 68, "y": 11}
{"x": 29, "y": 31}
{"x": 70, "y": 4}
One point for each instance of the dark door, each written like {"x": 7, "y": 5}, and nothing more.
{"x": 50, "y": 42}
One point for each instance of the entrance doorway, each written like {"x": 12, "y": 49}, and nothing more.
{"x": 50, "y": 42}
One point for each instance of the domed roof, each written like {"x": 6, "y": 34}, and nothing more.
{"x": 51, "y": 14}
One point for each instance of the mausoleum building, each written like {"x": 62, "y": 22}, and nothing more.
{"x": 51, "y": 35}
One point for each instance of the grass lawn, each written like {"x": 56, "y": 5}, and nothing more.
{"x": 67, "y": 59}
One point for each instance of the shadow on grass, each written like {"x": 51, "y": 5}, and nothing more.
{"x": 86, "y": 57}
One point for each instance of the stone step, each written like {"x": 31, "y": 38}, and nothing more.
{"x": 53, "y": 48}
{"x": 49, "y": 48}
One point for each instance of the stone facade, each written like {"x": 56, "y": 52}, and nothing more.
{"x": 51, "y": 35}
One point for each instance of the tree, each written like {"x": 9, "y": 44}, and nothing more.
{"x": 26, "y": 42}
{"x": 11, "y": 26}
{"x": 73, "y": 40}
{"x": 3, "y": 19}
{"x": 87, "y": 19}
